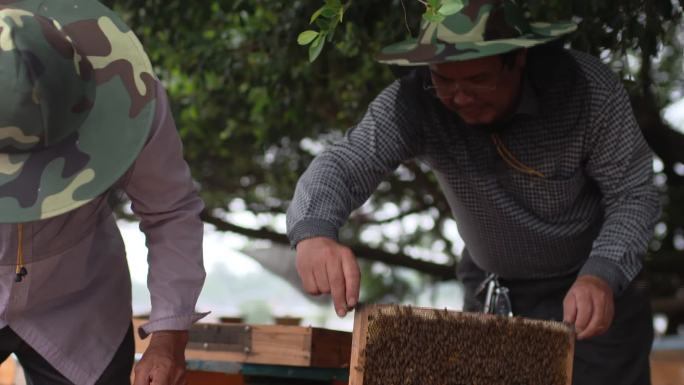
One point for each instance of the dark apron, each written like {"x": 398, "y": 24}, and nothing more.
{"x": 618, "y": 357}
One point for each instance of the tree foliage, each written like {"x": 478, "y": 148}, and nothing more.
{"x": 253, "y": 110}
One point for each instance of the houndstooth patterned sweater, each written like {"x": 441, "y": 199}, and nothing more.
{"x": 593, "y": 212}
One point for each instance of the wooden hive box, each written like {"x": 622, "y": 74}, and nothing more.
{"x": 266, "y": 344}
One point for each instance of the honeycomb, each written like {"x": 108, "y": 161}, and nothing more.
{"x": 410, "y": 346}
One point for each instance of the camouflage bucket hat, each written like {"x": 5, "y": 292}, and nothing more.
{"x": 76, "y": 105}
{"x": 480, "y": 28}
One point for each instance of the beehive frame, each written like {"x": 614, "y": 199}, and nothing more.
{"x": 361, "y": 324}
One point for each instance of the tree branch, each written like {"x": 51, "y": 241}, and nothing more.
{"x": 418, "y": 209}
{"x": 440, "y": 271}
{"x": 665, "y": 141}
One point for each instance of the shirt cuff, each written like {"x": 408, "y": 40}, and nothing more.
{"x": 608, "y": 271}
{"x": 181, "y": 322}
{"x": 311, "y": 228}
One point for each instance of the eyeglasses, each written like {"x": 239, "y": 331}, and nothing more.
{"x": 444, "y": 86}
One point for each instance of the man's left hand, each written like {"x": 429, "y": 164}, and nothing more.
{"x": 589, "y": 306}
{"x": 163, "y": 363}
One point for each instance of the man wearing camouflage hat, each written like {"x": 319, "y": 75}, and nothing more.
{"x": 539, "y": 156}
{"x": 82, "y": 114}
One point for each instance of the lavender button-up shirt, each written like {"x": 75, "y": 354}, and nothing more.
{"x": 74, "y": 306}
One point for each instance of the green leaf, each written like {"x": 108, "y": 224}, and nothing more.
{"x": 329, "y": 12}
{"x": 451, "y": 7}
{"x": 307, "y": 37}
{"x": 433, "y": 17}
{"x": 316, "y": 14}
{"x": 316, "y": 47}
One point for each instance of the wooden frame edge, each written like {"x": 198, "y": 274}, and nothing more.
{"x": 571, "y": 358}
{"x": 358, "y": 344}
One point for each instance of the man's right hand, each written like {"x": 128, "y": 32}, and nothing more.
{"x": 325, "y": 267}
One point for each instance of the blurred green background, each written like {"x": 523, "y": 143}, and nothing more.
{"x": 253, "y": 111}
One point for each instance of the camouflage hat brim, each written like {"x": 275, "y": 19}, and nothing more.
{"x": 59, "y": 178}
{"x": 414, "y": 52}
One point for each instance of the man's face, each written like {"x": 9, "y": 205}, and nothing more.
{"x": 481, "y": 91}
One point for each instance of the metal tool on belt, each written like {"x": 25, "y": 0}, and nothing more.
{"x": 497, "y": 300}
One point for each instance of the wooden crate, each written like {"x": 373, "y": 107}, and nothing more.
{"x": 266, "y": 344}
{"x": 360, "y": 334}
{"x": 667, "y": 367}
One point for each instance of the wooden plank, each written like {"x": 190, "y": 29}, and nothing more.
{"x": 279, "y": 345}
{"x": 271, "y": 344}
{"x": 358, "y": 344}
{"x": 668, "y": 355}
{"x": 571, "y": 358}
{"x": 205, "y": 378}
{"x": 667, "y": 367}
{"x": 330, "y": 348}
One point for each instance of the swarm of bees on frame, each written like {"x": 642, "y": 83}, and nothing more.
{"x": 446, "y": 348}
